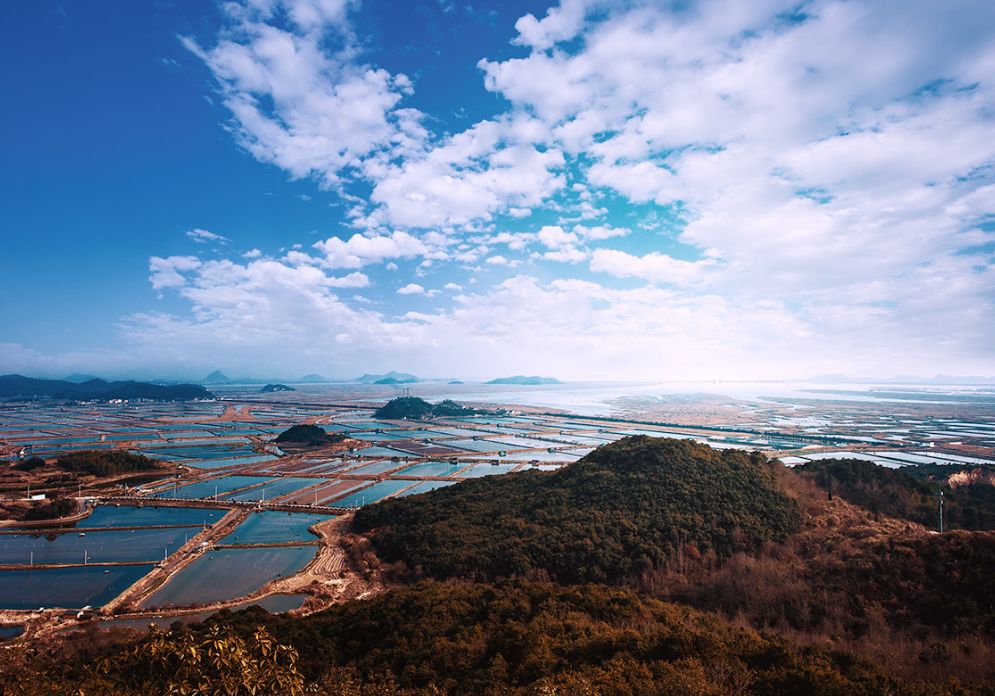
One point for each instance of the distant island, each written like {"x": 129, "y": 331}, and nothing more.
{"x": 20, "y": 387}
{"x": 413, "y": 408}
{"x": 276, "y": 388}
{"x": 217, "y": 377}
{"x": 388, "y": 378}
{"x": 522, "y": 379}
{"x": 313, "y": 379}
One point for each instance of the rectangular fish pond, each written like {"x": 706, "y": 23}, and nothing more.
{"x": 124, "y": 546}
{"x": 376, "y": 492}
{"x": 272, "y": 526}
{"x": 230, "y": 573}
{"x": 72, "y": 588}
{"x": 149, "y": 516}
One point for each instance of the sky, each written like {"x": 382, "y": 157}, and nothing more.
{"x": 591, "y": 190}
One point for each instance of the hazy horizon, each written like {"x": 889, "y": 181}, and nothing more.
{"x": 590, "y": 190}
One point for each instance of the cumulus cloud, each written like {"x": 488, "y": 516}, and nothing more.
{"x": 360, "y": 250}
{"x": 469, "y": 176}
{"x": 298, "y": 97}
{"x": 654, "y": 266}
{"x": 788, "y": 191}
{"x": 167, "y": 272}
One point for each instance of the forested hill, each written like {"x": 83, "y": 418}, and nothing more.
{"x": 20, "y": 387}
{"x": 625, "y": 508}
{"x": 910, "y": 493}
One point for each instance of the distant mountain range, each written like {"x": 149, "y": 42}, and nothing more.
{"x": 522, "y": 379}
{"x": 20, "y": 387}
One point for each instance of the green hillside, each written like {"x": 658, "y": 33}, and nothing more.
{"x": 910, "y": 493}
{"x": 626, "y": 508}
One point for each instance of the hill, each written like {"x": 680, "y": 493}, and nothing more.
{"x": 910, "y": 493}
{"x": 625, "y": 509}
{"x": 306, "y": 436}
{"x": 20, "y": 387}
{"x": 79, "y": 377}
{"x": 522, "y": 379}
{"x": 313, "y": 378}
{"x": 466, "y": 639}
{"x": 414, "y": 408}
{"x": 395, "y": 377}
{"x": 270, "y": 388}
{"x": 217, "y": 377}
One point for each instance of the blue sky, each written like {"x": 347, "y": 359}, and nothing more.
{"x": 587, "y": 189}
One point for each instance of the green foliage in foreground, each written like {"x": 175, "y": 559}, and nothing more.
{"x": 105, "y": 463}
{"x": 475, "y": 639}
{"x": 626, "y": 508}
{"x": 910, "y": 492}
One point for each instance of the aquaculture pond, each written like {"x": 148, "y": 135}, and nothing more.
{"x": 8, "y": 631}
{"x": 149, "y": 516}
{"x": 430, "y": 469}
{"x": 382, "y": 452}
{"x": 425, "y": 487}
{"x": 71, "y": 588}
{"x": 481, "y": 445}
{"x": 229, "y": 573}
{"x": 122, "y": 546}
{"x": 274, "y": 604}
{"x": 372, "y": 494}
{"x": 479, "y": 470}
{"x": 208, "y": 489}
{"x": 272, "y": 526}
{"x": 376, "y": 468}
{"x": 276, "y": 488}
{"x": 234, "y": 461}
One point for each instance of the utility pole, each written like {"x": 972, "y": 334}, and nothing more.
{"x": 941, "y": 511}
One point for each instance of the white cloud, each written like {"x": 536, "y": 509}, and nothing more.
{"x": 360, "y": 250}
{"x": 600, "y": 232}
{"x": 471, "y": 176}
{"x": 203, "y": 236}
{"x": 554, "y": 237}
{"x": 166, "y": 272}
{"x": 565, "y": 255}
{"x": 252, "y": 254}
{"x": 830, "y": 171}
{"x": 560, "y": 23}
{"x": 296, "y": 101}
{"x": 352, "y": 280}
{"x": 654, "y": 266}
